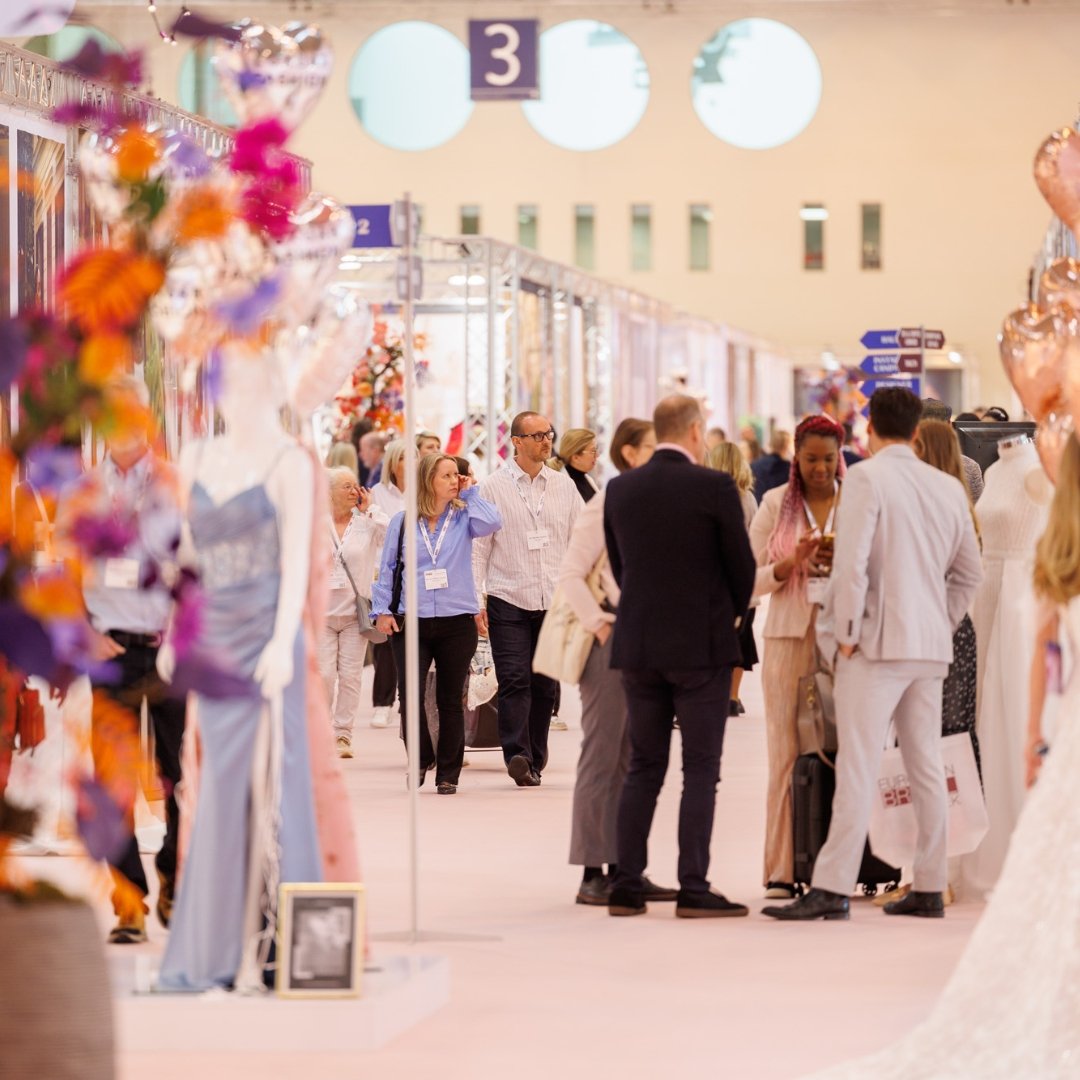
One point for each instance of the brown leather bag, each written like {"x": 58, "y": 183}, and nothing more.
{"x": 815, "y": 714}
{"x": 29, "y": 719}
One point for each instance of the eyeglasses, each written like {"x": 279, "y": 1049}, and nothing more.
{"x": 539, "y": 437}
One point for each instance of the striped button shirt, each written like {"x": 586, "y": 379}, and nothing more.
{"x": 503, "y": 565}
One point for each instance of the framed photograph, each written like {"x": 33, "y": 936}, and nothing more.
{"x": 320, "y": 945}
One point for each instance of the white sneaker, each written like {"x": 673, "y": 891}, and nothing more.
{"x": 344, "y": 746}
{"x": 381, "y": 717}
{"x": 558, "y": 725}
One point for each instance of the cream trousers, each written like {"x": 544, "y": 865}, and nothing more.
{"x": 341, "y": 663}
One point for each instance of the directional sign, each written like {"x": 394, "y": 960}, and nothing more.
{"x": 373, "y": 226}
{"x": 916, "y": 338}
{"x": 892, "y": 364}
{"x": 880, "y": 339}
{"x": 868, "y": 388}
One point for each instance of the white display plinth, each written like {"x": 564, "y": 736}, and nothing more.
{"x": 398, "y": 992}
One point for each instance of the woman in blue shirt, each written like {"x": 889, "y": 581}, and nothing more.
{"x": 451, "y": 515}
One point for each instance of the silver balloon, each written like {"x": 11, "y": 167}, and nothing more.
{"x": 309, "y": 257}
{"x": 1060, "y": 284}
{"x": 273, "y": 73}
{"x": 318, "y": 358}
{"x": 192, "y": 279}
{"x": 182, "y": 162}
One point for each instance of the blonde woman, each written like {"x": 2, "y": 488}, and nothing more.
{"x": 727, "y": 457}
{"x": 1010, "y": 1007}
{"x": 343, "y": 454}
{"x": 451, "y": 516}
{"x": 577, "y": 454}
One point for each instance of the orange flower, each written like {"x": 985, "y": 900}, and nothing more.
{"x": 102, "y": 356}
{"x": 203, "y": 215}
{"x": 55, "y": 595}
{"x": 8, "y": 479}
{"x": 136, "y": 151}
{"x": 106, "y": 289}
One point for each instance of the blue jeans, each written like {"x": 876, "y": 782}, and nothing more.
{"x": 525, "y": 699}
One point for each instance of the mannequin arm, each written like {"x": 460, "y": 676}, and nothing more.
{"x": 291, "y": 488}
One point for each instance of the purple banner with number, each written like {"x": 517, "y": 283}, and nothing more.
{"x": 505, "y": 59}
{"x": 373, "y": 228}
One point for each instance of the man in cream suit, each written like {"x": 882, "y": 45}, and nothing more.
{"x": 905, "y": 571}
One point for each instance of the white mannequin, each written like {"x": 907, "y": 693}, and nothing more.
{"x": 252, "y": 397}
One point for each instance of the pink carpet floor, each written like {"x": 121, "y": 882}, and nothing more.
{"x": 566, "y": 991}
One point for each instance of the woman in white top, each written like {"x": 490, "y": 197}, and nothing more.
{"x": 727, "y": 457}
{"x": 389, "y": 496}
{"x": 356, "y": 529}
{"x": 605, "y": 748}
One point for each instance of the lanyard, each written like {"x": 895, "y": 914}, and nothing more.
{"x": 528, "y": 502}
{"x": 832, "y": 513}
{"x": 339, "y": 545}
{"x": 438, "y": 543}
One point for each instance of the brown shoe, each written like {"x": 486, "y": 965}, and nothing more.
{"x": 166, "y": 895}
{"x": 130, "y": 928}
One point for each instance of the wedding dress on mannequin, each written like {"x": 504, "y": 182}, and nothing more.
{"x": 249, "y": 525}
{"x": 1010, "y": 1009}
{"x": 1012, "y": 515}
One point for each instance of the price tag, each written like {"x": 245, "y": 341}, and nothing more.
{"x": 538, "y": 539}
{"x": 121, "y": 573}
{"x": 435, "y": 579}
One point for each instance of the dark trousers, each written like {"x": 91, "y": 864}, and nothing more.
{"x": 385, "y": 683}
{"x": 139, "y": 679}
{"x": 700, "y": 700}
{"x": 526, "y": 700}
{"x": 450, "y": 642}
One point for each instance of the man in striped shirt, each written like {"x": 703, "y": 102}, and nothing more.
{"x": 517, "y": 567}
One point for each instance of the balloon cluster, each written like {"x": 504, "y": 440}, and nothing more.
{"x": 1040, "y": 342}
{"x": 249, "y": 257}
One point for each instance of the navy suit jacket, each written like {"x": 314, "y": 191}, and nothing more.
{"x": 678, "y": 546}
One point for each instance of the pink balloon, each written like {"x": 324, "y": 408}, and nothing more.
{"x": 1051, "y": 437}
{"x": 1057, "y": 172}
{"x": 1037, "y": 347}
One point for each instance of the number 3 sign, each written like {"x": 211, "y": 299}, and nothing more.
{"x": 505, "y": 59}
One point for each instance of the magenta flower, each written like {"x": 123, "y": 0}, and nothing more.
{"x": 103, "y": 537}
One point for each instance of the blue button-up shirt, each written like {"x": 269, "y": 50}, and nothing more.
{"x": 479, "y": 518}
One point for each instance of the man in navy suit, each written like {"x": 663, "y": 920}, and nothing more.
{"x": 679, "y": 551}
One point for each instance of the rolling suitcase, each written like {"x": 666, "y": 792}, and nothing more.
{"x": 813, "y": 783}
{"x": 482, "y": 726}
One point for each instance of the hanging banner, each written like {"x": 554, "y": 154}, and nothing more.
{"x": 505, "y": 59}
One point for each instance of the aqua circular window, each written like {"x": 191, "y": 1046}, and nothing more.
{"x": 200, "y": 90}
{"x": 594, "y": 86}
{"x": 409, "y": 86}
{"x": 756, "y": 84}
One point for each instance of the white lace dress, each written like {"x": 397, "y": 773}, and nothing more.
{"x": 1012, "y": 1007}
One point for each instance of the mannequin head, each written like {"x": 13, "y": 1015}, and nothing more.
{"x": 252, "y": 393}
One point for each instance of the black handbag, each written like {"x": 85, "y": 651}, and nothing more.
{"x": 398, "y": 580}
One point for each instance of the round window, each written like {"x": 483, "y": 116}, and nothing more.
{"x": 756, "y": 84}
{"x": 594, "y": 86}
{"x": 409, "y": 86}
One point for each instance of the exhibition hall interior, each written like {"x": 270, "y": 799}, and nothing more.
{"x": 539, "y": 539}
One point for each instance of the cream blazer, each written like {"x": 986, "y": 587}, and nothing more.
{"x": 587, "y": 544}
{"x": 789, "y": 611}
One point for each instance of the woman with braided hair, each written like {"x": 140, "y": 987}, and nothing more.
{"x": 792, "y": 538}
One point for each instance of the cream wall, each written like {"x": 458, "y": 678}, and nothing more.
{"x": 936, "y": 117}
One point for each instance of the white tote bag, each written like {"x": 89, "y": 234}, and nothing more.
{"x": 563, "y": 645}
{"x": 893, "y": 829}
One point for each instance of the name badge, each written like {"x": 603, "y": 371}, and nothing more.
{"x": 338, "y": 579}
{"x": 815, "y": 589}
{"x": 435, "y": 579}
{"x": 121, "y": 573}
{"x": 538, "y": 539}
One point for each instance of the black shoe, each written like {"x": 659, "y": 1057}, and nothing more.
{"x": 733, "y": 708}
{"x": 536, "y": 778}
{"x": 926, "y": 905}
{"x": 742, "y": 707}
{"x": 166, "y": 896}
{"x": 655, "y": 894}
{"x": 596, "y": 892}
{"x": 521, "y": 772}
{"x": 780, "y": 890}
{"x": 444, "y": 787}
{"x": 707, "y": 905}
{"x": 626, "y": 901}
{"x": 816, "y": 904}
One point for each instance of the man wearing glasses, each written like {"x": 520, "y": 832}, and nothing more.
{"x": 517, "y": 567}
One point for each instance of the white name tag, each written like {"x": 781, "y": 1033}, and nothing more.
{"x": 121, "y": 573}
{"x": 538, "y": 539}
{"x": 435, "y": 579}
{"x": 338, "y": 579}
{"x": 815, "y": 589}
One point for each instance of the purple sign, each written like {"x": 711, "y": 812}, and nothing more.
{"x": 505, "y": 59}
{"x": 373, "y": 228}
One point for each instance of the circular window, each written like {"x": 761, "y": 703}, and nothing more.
{"x": 200, "y": 91}
{"x": 594, "y": 86}
{"x": 756, "y": 84}
{"x": 66, "y": 43}
{"x": 409, "y": 86}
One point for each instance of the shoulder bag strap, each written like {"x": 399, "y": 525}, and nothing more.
{"x": 399, "y": 573}
{"x": 340, "y": 552}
